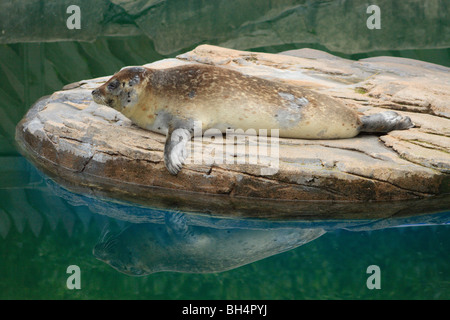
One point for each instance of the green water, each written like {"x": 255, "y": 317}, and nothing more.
{"x": 42, "y": 233}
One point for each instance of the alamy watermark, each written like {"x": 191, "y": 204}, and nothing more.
{"x": 74, "y": 20}
{"x": 374, "y": 21}
{"x": 74, "y": 280}
{"x": 374, "y": 280}
{"x": 253, "y": 147}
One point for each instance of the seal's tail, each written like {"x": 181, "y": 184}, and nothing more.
{"x": 385, "y": 122}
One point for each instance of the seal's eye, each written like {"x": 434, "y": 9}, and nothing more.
{"x": 113, "y": 85}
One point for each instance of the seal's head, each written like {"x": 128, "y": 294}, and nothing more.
{"x": 120, "y": 91}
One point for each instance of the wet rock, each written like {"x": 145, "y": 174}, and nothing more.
{"x": 89, "y": 146}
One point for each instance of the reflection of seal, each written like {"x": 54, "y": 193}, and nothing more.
{"x": 144, "y": 248}
{"x": 169, "y": 100}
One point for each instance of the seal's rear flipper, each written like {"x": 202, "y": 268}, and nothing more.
{"x": 385, "y": 122}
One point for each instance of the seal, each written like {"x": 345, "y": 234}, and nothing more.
{"x": 176, "y": 245}
{"x": 169, "y": 101}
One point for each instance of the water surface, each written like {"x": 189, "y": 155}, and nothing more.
{"x": 43, "y": 230}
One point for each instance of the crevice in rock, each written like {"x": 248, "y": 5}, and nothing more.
{"x": 415, "y": 192}
{"x": 426, "y": 144}
{"x": 354, "y": 150}
{"x": 87, "y": 162}
{"x": 281, "y": 182}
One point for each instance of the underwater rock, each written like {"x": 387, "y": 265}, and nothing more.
{"x": 90, "y": 146}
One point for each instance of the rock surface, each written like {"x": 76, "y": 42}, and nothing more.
{"x": 90, "y": 146}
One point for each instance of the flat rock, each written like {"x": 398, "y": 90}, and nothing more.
{"x": 90, "y": 146}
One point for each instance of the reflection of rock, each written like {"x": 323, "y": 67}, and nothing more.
{"x": 22, "y": 21}
{"x": 93, "y": 146}
{"x": 337, "y": 25}
{"x": 180, "y": 24}
{"x": 141, "y": 249}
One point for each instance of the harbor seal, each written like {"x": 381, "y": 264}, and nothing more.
{"x": 140, "y": 249}
{"x": 169, "y": 101}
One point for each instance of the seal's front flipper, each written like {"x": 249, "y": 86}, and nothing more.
{"x": 175, "y": 149}
{"x": 385, "y": 122}
{"x": 176, "y": 223}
